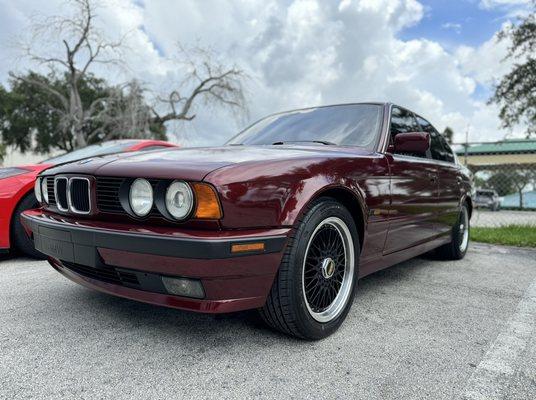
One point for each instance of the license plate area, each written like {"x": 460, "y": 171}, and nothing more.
{"x": 54, "y": 243}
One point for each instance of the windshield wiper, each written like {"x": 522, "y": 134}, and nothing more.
{"x": 305, "y": 141}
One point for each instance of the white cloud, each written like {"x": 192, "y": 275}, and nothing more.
{"x": 301, "y": 53}
{"x": 489, "y": 4}
{"x": 452, "y": 25}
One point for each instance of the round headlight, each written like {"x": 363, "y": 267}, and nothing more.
{"x": 141, "y": 197}
{"x": 179, "y": 200}
{"x": 37, "y": 190}
{"x": 44, "y": 190}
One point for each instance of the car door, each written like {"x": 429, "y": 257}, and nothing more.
{"x": 414, "y": 186}
{"x": 450, "y": 188}
{"x": 449, "y": 178}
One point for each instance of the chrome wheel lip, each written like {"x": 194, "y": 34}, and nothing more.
{"x": 464, "y": 229}
{"x": 339, "y": 303}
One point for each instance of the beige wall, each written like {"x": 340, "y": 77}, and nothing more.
{"x": 498, "y": 159}
{"x": 14, "y": 158}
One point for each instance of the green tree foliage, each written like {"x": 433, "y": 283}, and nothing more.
{"x": 516, "y": 92}
{"x": 31, "y": 119}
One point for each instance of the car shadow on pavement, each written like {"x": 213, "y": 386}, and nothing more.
{"x": 383, "y": 279}
{"x": 165, "y": 323}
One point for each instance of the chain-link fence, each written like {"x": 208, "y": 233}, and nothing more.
{"x": 505, "y": 181}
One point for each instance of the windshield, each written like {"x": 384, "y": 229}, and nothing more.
{"x": 345, "y": 125}
{"x": 91, "y": 151}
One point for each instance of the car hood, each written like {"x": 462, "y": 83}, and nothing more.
{"x": 193, "y": 163}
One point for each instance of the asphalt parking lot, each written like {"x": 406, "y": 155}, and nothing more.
{"x": 421, "y": 329}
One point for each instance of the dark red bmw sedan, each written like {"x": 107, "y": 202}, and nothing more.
{"x": 285, "y": 218}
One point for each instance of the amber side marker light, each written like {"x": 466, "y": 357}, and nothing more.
{"x": 244, "y": 247}
{"x": 208, "y": 205}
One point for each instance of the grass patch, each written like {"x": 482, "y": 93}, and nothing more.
{"x": 510, "y": 235}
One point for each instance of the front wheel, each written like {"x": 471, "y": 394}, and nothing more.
{"x": 316, "y": 282}
{"x": 456, "y": 249}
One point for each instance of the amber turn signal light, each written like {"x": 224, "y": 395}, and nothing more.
{"x": 240, "y": 248}
{"x": 207, "y": 203}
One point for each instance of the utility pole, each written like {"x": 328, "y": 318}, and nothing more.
{"x": 466, "y": 142}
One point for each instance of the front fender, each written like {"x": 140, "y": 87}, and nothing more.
{"x": 275, "y": 194}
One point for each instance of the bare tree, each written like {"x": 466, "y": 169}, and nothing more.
{"x": 122, "y": 110}
{"x": 130, "y": 115}
{"x": 207, "y": 81}
{"x": 83, "y": 46}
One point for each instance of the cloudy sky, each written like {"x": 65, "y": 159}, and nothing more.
{"x": 439, "y": 58}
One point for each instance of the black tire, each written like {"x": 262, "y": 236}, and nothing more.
{"x": 455, "y": 250}
{"x": 19, "y": 238}
{"x": 286, "y": 308}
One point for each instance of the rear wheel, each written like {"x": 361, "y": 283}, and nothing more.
{"x": 315, "y": 285}
{"x": 456, "y": 249}
{"x": 19, "y": 238}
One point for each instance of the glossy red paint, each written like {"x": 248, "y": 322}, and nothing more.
{"x": 15, "y": 188}
{"x": 403, "y": 206}
{"x": 12, "y": 191}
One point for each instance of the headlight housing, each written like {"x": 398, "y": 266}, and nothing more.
{"x": 37, "y": 190}
{"x": 141, "y": 197}
{"x": 44, "y": 189}
{"x": 179, "y": 200}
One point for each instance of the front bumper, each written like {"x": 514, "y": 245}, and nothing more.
{"x": 130, "y": 262}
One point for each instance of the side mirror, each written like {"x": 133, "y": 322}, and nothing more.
{"x": 412, "y": 142}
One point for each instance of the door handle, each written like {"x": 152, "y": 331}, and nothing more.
{"x": 432, "y": 176}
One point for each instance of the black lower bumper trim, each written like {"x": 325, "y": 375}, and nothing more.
{"x": 78, "y": 244}
{"x": 134, "y": 279}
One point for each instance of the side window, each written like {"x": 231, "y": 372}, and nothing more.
{"x": 448, "y": 153}
{"x": 425, "y": 125}
{"x": 435, "y": 146}
{"x": 437, "y": 150}
{"x": 403, "y": 121}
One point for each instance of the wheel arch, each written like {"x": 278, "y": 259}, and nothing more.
{"x": 351, "y": 201}
{"x": 469, "y": 202}
{"x": 24, "y": 196}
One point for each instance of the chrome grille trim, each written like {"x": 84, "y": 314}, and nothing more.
{"x": 72, "y": 206}
{"x": 61, "y": 207}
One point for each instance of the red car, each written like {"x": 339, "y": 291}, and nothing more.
{"x": 284, "y": 219}
{"x": 17, "y": 188}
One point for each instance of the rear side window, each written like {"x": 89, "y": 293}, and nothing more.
{"x": 439, "y": 148}
{"x": 435, "y": 147}
{"x": 448, "y": 154}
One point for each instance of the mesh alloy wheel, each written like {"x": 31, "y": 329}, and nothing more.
{"x": 328, "y": 270}
{"x": 317, "y": 278}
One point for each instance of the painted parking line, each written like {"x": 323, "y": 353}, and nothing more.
{"x": 493, "y": 375}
